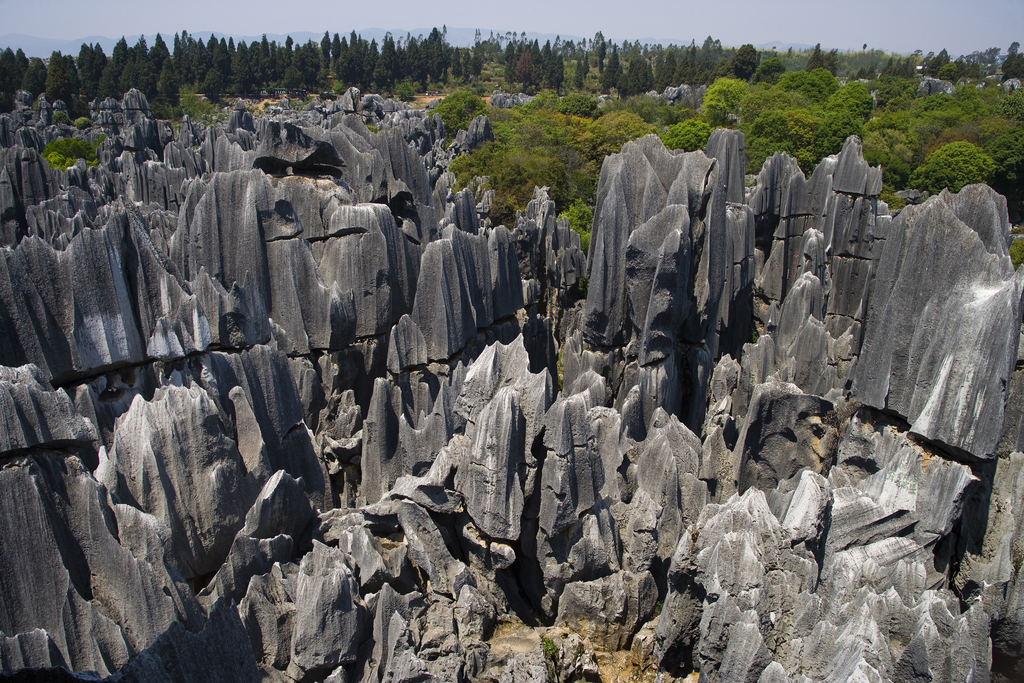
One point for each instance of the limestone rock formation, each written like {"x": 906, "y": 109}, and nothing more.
{"x": 280, "y": 403}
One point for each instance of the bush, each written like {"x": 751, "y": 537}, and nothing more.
{"x": 1017, "y": 253}
{"x": 817, "y": 86}
{"x": 580, "y": 105}
{"x": 458, "y": 110}
{"x": 66, "y": 151}
{"x": 61, "y": 117}
{"x": 404, "y": 91}
{"x": 688, "y": 136}
{"x": 580, "y": 219}
{"x": 1012, "y": 106}
{"x": 953, "y": 166}
{"x": 82, "y": 123}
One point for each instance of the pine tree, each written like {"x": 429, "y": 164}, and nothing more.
{"x": 610, "y": 78}
{"x": 58, "y": 80}
{"x": 582, "y": 67}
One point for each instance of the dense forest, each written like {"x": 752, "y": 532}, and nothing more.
{"x": 802, "y": 103}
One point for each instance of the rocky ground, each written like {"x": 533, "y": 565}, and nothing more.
{"x": 279, "y": 404}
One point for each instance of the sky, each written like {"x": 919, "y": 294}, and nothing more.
{"x": 891, "y": 25}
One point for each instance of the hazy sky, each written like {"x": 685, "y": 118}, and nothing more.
{"x": 892, "y": 25}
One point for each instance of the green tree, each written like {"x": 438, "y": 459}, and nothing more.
{"x": 836, "y": 126}
{"x": 817, "y": 85}
{"x": 168, "y": 85}
{"x": 610, "y": 77}
{"x": 764, "y": 99}
{"x": 769, "y": 71}
{"x": 1012, "y": 106}
{"x": 744, "y": 63}
{"x": 458, "y": 109}
{"x": 853, "y": 98}
{"x": 580, "y": 105}
{"x": 894, "y": 151}
{"x": 1007, "y": 151}
{"x": 34, "y": 79}
{"x": 580, "y": 219}
{"x": 689, "y": 135}
{"x": 952, "y": 166}
{"x": 722, "y": 100}
{"x": 58, "y": 80}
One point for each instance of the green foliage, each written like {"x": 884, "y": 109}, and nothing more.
{"x": 888, "y": 195}
{"x": 194, "y": 105}
{"x": 1007, "y": 151}
{"x": 953, "y": 166}
{"x": 1012, "y": 106}
{"x": 65, "y": 152}
{"x": 769, "y": 71}
{"x": 765, "y": 99}
{"x": 580, "y": 218}
{"x": 689, "y": 135}
{"x": 893, "y": 151}
{"x": 816, "y": 86}
{"x": 405, "y": 92}
{"x": 458, "y": 109}
{"x": 61, "y": 117}
{"x": 580, "y": 105}
{"x": 609, "y": 133}
{"x": 82, "y": 123}
{"x": 550, "y": 657}
{"x": 722, "y": 100}
{"x": 835, "y": 127}
{"x": 1017, "y": 255}
{"x": 853, "y": 98}
{"x": 744, "y": 63}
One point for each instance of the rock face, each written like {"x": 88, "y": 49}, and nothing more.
{"x": 280, "y": 404}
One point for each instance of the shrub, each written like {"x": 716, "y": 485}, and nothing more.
{"x": 580, "y": 219}
{"x": 580, "y": 105}
{"x": 953, "y": 166}
{"x": 458, "y": 110}
{"x": 817, "y": 86}
{"x": 404, "y": 91}
{"x": 688, "y": 136}
{"x": 61, "y": 117}
{"x": 82, "y": 123}
{"x": 1012, "y": 106}
{"x": 1017, "y": 253}
{"x": 66, "y": 151}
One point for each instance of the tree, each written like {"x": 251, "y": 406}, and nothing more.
{"x": 168, "y": 85}
{"x": 722, "y": 100}
{"x": 952, "y": 166}
{"x": 1007, "y": 151}
{"x": 524, "y": 68}
{"x": 744, "y": 63}
{"x": 936, "y": 63}
{"x": 817, "y": 86}
{"x": 769, "y": 71}
{"x": 58, "y": 80}
{"x": 689, "y": 135}
{"x": 1013, "y": 66}
{"x": 610, "y": 78}
{"x": 815, "y": 61}
{"x": 1012, "y": 106}
{"x": 34, "y": 79}
{"x": 580, "y": 74}
{"x": 458, "y": 110}
{"x": 601, "y": 47}
{"x": 579, "y": 105}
